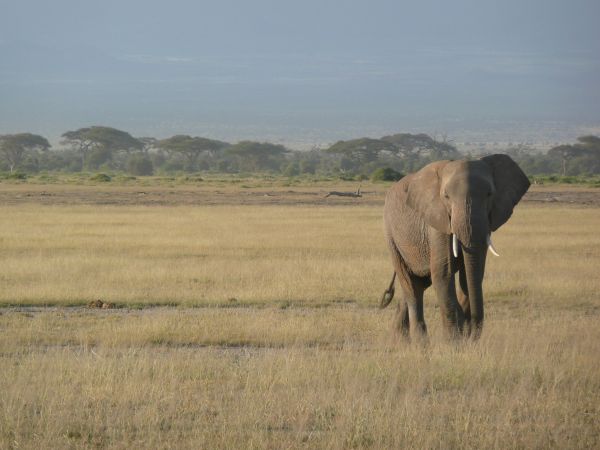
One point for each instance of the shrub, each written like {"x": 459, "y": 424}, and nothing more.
{"x": 195, "y": 178}
{"x": 13, "y": 176}
{"x": 17, "y": 176}
{"x": 101, "y": 177}
{"x": 386, "y": 174}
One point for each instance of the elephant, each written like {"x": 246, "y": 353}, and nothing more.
{"x": 438, "y": 221}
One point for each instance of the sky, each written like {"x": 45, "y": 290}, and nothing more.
{"x": 245, "y": 69}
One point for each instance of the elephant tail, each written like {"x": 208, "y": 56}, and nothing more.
{"x": 388, "y": 295}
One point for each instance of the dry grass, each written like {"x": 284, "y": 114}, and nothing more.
{"x": 263, "y": 255}
{"x": 301, "y": 358}
{"x": 192, "y": 256}
{"x": 247, "y": 378}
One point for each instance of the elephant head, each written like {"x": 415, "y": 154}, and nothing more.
{"x": 468, "y": 200}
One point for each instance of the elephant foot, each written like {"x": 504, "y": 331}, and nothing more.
{"x": 418, "y": 334}
{"x": 466, "y": 331}
{"x": 401, "y": 332}
{"x": 454, "y": 334}
{"x": 476, "y": 330}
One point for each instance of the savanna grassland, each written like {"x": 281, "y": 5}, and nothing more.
{"x": 246, "y": 317}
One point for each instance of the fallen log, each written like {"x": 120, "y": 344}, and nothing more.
{"x": 345, "y": 194}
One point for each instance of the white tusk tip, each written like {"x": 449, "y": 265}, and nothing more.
{"x": 454, "y": 246}
{"x": 491, "y": 246}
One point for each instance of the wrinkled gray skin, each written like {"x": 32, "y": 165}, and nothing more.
{"x": 468, "y": 198}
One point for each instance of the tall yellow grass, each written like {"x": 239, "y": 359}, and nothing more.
{"x": 261, "y": 255}
{"x": 294, "y": 378}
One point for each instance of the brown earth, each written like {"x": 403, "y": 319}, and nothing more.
{"x": 180, "y": 195}
{"x": 210, "y": 195}
{"x": 562, "y": 195}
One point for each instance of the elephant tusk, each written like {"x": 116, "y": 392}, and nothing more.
{"x": 491, "y": 246}
{"x": 454, "y": 245}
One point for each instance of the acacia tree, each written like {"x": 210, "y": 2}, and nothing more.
{"x": 80, "y": 142}
{"x": 358, "y": 152}
{"x": 404, "y": 151}
{"x": 586, "y": 146}
{"x": 409, "y": 145}
{"x": 107, "y": 139}
{"x": 257, "y": 156}
{"x": 148, "y": 143}
{"x": 191, "y": 148}
{"x": 14, "y": 147}
{"x": 590, "y": 142}
{"x": 565, "y": 153}
{"x": 362, "y": 149}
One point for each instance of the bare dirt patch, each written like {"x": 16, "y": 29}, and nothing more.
{"x": 210, "y": 195}
{"x": 562, "y": 195}
{"x": 177, "y": 196}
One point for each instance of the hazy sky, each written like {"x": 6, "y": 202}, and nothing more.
{"x": 160, "y": 68}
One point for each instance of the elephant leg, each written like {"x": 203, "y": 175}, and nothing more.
{"x": 401, "y": 322}
{"x": 451, "y": 312}
{"x": 463, "y": 295}
{"x": 410, "y": 319}
{"x": 409, "y": 315}
{"x": 442, "y": 277}
{"x": 413, "y": 295}
{"x": 463, "y": 299}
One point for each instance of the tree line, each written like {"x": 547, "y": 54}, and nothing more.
{"x": 99, "y": 148}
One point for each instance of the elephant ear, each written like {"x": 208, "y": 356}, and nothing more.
{"x": 511, "y": 184}
{"x": 423, "y": 195}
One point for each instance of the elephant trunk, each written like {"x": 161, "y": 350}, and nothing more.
{"x": 474, "y": 262}
{"x": 471, "y": 235}
{"x": 470, "y": 225}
